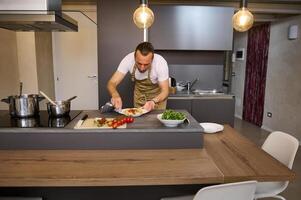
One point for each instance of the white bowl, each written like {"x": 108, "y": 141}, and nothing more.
{"x": 169, "y": 123}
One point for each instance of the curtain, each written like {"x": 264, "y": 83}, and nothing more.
{"x": 256, "y": 69}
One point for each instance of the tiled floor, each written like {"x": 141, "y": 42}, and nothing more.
{"x": 258, "y": 135}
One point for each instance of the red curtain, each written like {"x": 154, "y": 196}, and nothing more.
{"x": 256, "y": 69}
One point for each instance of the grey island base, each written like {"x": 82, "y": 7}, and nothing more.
{"x": 146, "y": 132}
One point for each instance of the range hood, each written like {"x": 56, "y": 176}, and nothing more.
{"x": 35, "y": 15}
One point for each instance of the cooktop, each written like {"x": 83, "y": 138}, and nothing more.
{"x": 41, "y": 121}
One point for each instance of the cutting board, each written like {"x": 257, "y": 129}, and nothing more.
{"x": 90, "y": 124}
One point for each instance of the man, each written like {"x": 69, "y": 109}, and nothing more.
{"x": 149, "y": 72}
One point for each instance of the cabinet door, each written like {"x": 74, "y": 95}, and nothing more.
{"x": 182, "y": 104}
{"x": 182, "y": 27}
{"x": 214, "y": 110}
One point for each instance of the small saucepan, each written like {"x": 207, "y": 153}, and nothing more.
{"x": 60, "y": 108}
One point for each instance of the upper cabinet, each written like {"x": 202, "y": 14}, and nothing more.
{"x": 178, "y": 27}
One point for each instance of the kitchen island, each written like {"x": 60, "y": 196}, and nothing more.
{"x": 146, "y": 132}
{"x": 226, "y": 157}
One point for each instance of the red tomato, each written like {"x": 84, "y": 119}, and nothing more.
{"x": 130, "y": 120}
{"x": 124, "y": 121}
{"x": 114, "y": 125}
{"x": 119, "y": 123}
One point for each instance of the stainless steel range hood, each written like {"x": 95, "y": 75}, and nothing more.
{"x": 35, "y": 15}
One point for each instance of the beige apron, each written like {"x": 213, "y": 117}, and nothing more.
{"x": 145, "y": 91}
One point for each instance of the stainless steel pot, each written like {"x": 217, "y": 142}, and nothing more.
{"x": 26, "y": 105}
{"x": 61, "y": 109}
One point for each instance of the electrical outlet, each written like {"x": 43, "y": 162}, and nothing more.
{"x": 269, "y": 114}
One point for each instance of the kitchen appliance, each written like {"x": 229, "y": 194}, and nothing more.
{"x": 172, "y": 82}
{"x": 108, "y": 107}
{"x": 24, "y": 105}
{"x": 35, "y": 15}
{"x": 58, "y": 122}
{"x": 43, "y": 120}
{"x": 60, "y": 108}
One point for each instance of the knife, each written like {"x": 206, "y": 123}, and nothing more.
{"x": 82, "y": 120}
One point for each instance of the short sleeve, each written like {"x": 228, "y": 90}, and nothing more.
{"x": 126, "y": 63}
{"x": 163, "y": 73}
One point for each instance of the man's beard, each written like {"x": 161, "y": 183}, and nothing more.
{"x": 142, "y": 71}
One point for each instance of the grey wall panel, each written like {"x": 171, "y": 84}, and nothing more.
{"x": 192, "y": 27}
{"x": 210, "y": 76}
{"x": 117, "y": 36}
{"x": 192, "y": 57}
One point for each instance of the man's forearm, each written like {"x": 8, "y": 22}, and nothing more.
{"x": 112, "y": 90}
{"x": 161, "y": 97}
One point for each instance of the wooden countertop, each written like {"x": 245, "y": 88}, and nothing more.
{"x": 227, "y": 157}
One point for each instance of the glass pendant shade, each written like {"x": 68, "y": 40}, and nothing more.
{"x": 242, "y": 20}
{"x": 143, "y": 17}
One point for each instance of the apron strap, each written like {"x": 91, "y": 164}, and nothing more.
{"x": 133, "y": 73}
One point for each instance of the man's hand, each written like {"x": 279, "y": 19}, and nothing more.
{"x": 149, "y": 105}
{"x": 117, "y": 102}
{"x": 112, "y": 85}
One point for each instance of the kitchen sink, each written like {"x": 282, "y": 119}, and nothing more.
{"x": 207, "y": 92}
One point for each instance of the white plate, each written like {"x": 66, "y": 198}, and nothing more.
{"x": 212, "y": 127}
{"x": 126, "y": 113}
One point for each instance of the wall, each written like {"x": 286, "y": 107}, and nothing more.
{"x": 117, "y": 36}
{"x": 27, "y": 62}
{"x": 9, "y": 75}
{"x": 239, "y": 69}
{"x": 44, "y": 61}
{"x": 283, "y": 84}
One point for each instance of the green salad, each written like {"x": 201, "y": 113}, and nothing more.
{"x": 173, "y": 115}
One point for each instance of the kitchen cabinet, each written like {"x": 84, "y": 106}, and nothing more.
{"x": 179, "y": 104}
{"x": 213, "y": 110}
{"x": 182, "y": 27}
{"x": 206, "y": 109}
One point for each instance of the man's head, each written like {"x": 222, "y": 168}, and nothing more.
{"x": 144, "y": 55}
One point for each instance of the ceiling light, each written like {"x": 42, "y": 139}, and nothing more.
{"x": 243, "y": 19}
{"x": 143, "y": 16}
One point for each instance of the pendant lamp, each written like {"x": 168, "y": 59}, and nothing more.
{"x": 243, "y": 19}
{"x": 143, "y": 16}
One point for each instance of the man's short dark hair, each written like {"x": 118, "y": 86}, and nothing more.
{"x": 145, "y": 48}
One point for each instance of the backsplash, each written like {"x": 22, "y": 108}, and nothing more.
{"x": 210, "y": 76}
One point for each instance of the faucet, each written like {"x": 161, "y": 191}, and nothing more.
{"x": 190, "y": 84}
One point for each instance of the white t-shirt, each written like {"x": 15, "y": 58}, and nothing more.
{"x": 159, "y": 70}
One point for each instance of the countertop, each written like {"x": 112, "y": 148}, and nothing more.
{"x": 226, "y": 157}
{"x": 191, "y": 95}
{"x": 147, "y": 132}
{"x": 147, "y": 123}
